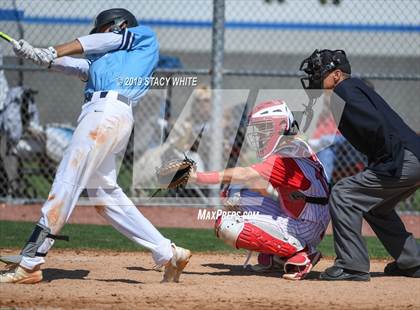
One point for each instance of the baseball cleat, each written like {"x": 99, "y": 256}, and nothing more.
{"x": 268, "y": 263}
{"x": 300, "y": 265}
{"x": 176, "y": 264}
{"x": 20, "y": 275}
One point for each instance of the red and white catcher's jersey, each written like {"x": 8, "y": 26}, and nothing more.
{"x": 295, "y": 167}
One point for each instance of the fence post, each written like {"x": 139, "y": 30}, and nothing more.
{"x": 21, "y": 36}
{"x": 216, "y": 85}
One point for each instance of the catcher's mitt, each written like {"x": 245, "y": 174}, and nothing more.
{"x": 175, "y": 174}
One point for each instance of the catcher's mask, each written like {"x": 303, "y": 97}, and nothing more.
{"x": 318, "y": 65}
{"x": 268, "y": 123}
{"x": 114, "y": 18}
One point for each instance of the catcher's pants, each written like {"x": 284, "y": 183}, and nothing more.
{"x": 271, "y": 218}
{"x": 103, "y": 131}
{"x": 373, "y": 197}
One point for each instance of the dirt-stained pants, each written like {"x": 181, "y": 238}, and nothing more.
{"x": 90, "y": 161}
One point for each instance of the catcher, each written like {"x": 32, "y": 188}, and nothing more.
{"x": 286, "y": 230}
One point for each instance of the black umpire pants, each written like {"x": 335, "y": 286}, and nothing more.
{"x": 374, "y": 197}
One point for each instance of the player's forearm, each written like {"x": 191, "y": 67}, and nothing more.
{"x": 237, "y": 175}
{"x": 70, "y": 48}
{"x": 91, "y": 44}
{"x": 45, "y": 56}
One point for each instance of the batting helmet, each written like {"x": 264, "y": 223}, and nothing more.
{"x": 268, "y": 122}
{"x": 114, "y": 17}
{"x": 319, "y": 64}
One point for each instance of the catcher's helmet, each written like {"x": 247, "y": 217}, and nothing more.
{"x": 319, "y": 64}
{"x": 268, "y": 122}
{"x": 114, "y": 17}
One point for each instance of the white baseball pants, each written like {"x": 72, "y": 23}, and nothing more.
{"x": 90, "y": 161}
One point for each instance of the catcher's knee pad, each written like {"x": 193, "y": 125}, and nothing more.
{"x": 253, "y": 238}
{"x": 229, "y": 228}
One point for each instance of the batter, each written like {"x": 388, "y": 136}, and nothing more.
{"x": 117, "y": 48}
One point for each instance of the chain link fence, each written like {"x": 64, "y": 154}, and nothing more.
{"x": 246, "y": 47}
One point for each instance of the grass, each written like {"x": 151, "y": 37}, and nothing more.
{"x": 82, "y": 236}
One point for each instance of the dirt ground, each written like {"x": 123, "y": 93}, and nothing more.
{"x": 108, "y": 280}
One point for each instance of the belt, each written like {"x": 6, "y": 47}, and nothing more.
{"x": 103, "y": 94}
{"x": 309, "y": 199}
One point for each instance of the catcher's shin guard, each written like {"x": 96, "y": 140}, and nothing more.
{"x": 254, "y": 238}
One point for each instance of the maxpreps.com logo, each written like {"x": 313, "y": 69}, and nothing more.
{"x": 208, "y": 215}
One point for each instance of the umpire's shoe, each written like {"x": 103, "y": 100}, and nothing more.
{"x": 335, "y": 273}
{"x": 392, "y": 269}
{"x": 18, "y": 274}
{"x": 176, "y": 264}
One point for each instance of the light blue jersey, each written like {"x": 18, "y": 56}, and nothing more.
{"x": 128, "y": 68}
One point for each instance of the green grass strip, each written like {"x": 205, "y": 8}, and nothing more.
{"x": 83, "y": 236}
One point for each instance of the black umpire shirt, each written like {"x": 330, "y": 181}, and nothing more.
{"x": 373, "y": 128}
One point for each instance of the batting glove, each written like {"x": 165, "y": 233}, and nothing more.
{"x": 23, "y": 49}
{"x": 40, "y": 56}
{"x": 44, "y": 56}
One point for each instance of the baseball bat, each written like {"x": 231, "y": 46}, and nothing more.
{"x": 7, "y": 38}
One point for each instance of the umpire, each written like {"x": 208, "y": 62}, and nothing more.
{"x": 392, "y": 174}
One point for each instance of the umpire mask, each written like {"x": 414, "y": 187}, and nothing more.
{"x": 318, "y": 65}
